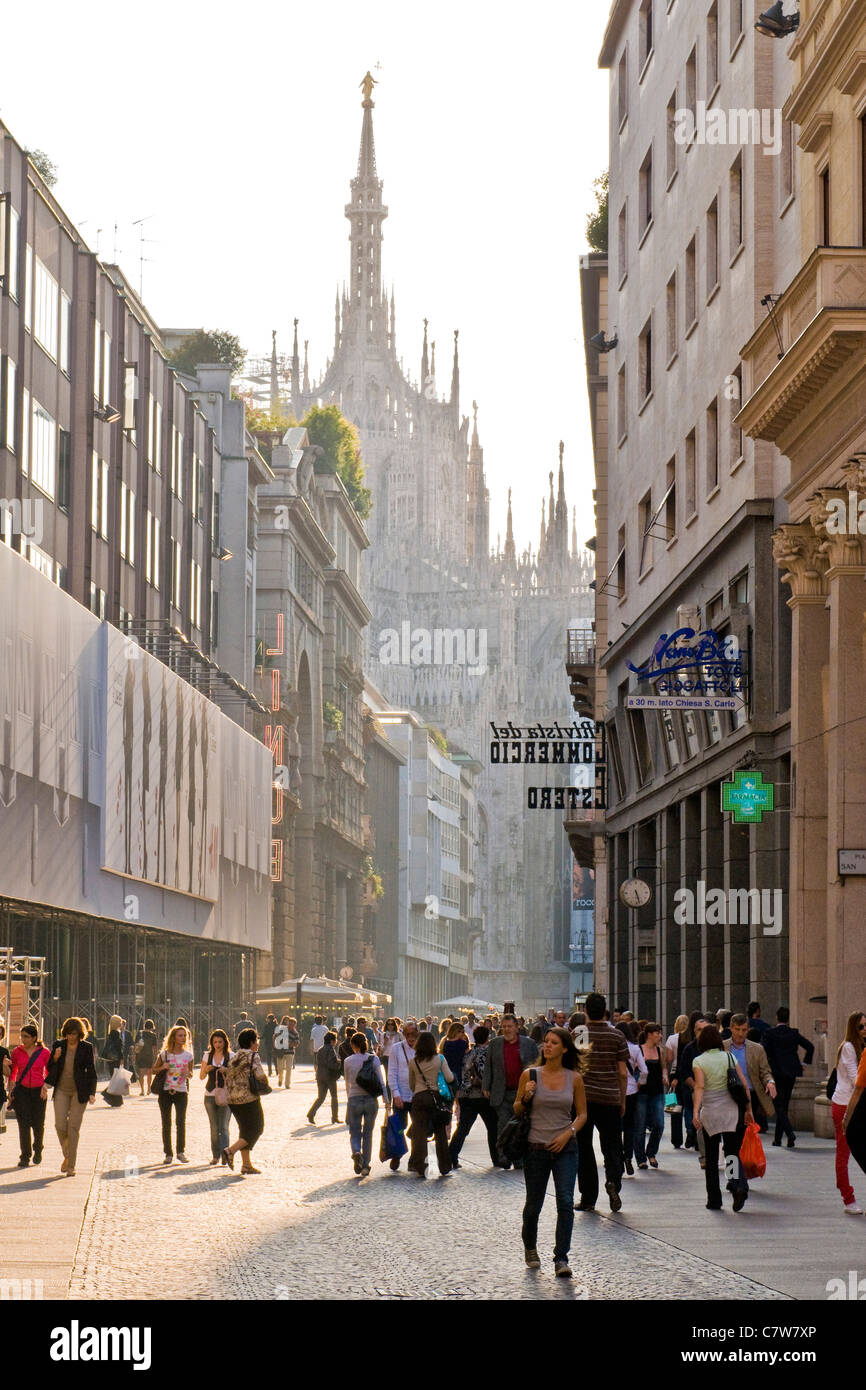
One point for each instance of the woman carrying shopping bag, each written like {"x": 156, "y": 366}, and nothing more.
{"x": 431, "y": 1105}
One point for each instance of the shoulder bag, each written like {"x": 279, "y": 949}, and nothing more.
{"x": 157, "y": 1085}
{"x": 513, "y": 1142}
{"x": 736, "y": 1089}
{"x": 441, "y": 1113}
{"x": 258, "y": 1085}
{"x": 33, "y": 1056}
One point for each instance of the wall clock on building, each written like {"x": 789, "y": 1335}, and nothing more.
{"x": 633, "y": 892}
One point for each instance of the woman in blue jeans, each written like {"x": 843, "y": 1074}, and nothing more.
{"x": 362, "y": 1106}
{"x": 213, "y": 1073}
{"x": 649, "y": 1111}
{"x": 557, "y": 1097}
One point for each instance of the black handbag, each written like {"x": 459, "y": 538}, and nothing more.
{"x": 736, "y": 1089}
{"x": 258, "y": 1086}
{"x": 157, "y": 1084}
{"x": 513, "y": 1142}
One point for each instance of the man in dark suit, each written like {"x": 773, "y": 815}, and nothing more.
{"x": 782, "y": 1044}
{"x": 507, "y": 1056}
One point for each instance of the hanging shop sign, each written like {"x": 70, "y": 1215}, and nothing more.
{"x": 747, "y": 797}
{"x": 690, "y": 670}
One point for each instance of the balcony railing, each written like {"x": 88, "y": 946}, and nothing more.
{"x": 581, "y": 647}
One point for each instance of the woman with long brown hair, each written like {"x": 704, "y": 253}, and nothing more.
{"x": 848, "y": 1056}
{"x": 558, "y": 1101}
{"x": 176, "y": 1060}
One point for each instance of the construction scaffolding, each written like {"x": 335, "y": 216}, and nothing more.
{"x": 22, "y": 984}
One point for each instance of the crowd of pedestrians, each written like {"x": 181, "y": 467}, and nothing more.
{"x": 542, "y": 1089}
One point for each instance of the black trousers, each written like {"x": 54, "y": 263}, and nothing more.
{"x": 30, "y": 1114}
{"x": 628, "y": 1127}
{"x": 470, "y": 1111}
{"x": 325, "y": 1088}
{"x": 784, "y": 1091}
{"x": 607, "y": 1119}
{"x": 731, "y": 1141}
{"x": 178, "y": 1099}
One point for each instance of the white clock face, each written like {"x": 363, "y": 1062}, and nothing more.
{"x": 635, "y": 893}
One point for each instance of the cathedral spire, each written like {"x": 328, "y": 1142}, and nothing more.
{"x": 475, "y": 452}
{"x": 509, "y": 535}
{"x": 337, "y": 322}
{"x": 393, "y": 324}
{"x": 275, "y": 381}
{"x": 425, "y": 365}
{"x": 551, "y": 519}
{"x": 433, "y": 370}
{"x": 543, "y": 535}
{"x": 306, "y": 370}
{"x": 561, "y": 530}
{"x": 366, "y": 213}
{"x": 574, "y": 531}
{"x": 455, "y": 377}
{"x": 296, "y": 377}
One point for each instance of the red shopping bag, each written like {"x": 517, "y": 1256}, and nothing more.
{"x": 752, "y": 1159}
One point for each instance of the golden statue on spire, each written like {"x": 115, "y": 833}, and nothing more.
{"x": 367, "y": 84}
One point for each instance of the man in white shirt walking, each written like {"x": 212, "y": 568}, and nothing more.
{"x": 317, "y": 1034}
{"x": 402, "y": 1053}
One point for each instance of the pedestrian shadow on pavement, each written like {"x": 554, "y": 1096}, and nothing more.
{"x": 31, "y": 1185}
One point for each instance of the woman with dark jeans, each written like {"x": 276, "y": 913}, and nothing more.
{"x": 213, "y": 1074}
{"x": 649, "y": 1111}
{"x": 472, "y": 1101}
{"x": 176, "y": 1061}
{"x": 718, "y": 1116}
{"x": 558, "y": 1111}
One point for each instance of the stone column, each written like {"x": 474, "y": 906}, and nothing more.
{"x": 846, "y": 762}
{"x": 796, "y": 550}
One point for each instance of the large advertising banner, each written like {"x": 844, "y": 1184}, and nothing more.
{"x": 163, "y": 779}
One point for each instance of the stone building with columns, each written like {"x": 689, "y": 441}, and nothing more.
{"x": 809, "y": 400}
{"x": 699, "y": 233}
{"x": 311, "y": 620}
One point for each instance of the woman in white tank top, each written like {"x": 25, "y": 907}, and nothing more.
{"x": 558, "y": 1102}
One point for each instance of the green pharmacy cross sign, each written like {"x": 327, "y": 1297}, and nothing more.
{"x": 747, "y": 797}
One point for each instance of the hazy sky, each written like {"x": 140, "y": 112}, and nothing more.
{"x": 235, "y": 130}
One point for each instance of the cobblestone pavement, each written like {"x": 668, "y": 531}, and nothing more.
{"x": 288, "y": 1232}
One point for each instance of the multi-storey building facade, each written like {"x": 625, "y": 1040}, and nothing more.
{"x": 109, "y": 485}
{"x": 311, "y": 621}
{"x": 439, "y": 861}
{"x": 703, "y": 224}
{"x": 804, "y": 393}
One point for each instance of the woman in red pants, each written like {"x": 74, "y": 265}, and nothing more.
{"x": 847, "y": 1061}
